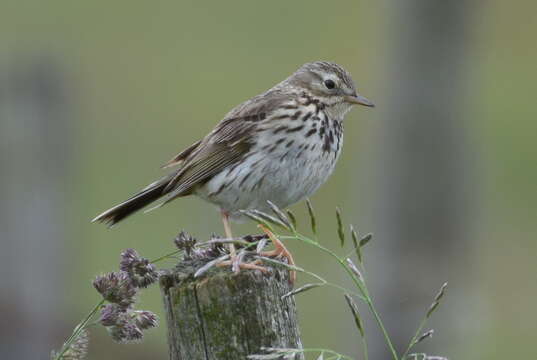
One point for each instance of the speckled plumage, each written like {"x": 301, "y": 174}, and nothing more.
{"x": 279, "y": 146}
{"x": 292, "y": 153}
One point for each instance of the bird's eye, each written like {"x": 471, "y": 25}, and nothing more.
{"x": 330, "y": 84}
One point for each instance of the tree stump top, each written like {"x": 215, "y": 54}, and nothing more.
{"x": 222, "y": 315}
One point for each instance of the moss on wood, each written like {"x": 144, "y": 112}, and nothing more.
{"x": 226, "y": 316}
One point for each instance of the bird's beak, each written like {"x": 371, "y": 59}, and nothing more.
{"x": 358, "y": 100}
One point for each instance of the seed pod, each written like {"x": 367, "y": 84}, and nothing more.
{"x": 253, "y": 216}
{"x": 302, "y": 289}
{"x": 269, "y": 219}
{"x": 436, "y": 301}
{"x": 355, "y": 314}
{"x": 357, "y": 249}
{"x": 281, "y": 215}
{"x": 355, "y": 269}
{"x": 424, "y": 336}
{"x": 366, "y": 239}
{"x": 340, "y": 232}
{"x": 312, "y": 216}
{"x": 291, "y": 217}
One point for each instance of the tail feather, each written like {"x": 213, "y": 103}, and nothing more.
{"x": 146, "y": 196}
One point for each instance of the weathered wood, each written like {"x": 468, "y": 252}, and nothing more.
{"x": 226, "y": 316}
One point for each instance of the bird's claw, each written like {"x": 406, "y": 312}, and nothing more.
{"x": 279, "y": 251}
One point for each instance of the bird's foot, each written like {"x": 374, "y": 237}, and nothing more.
{"x": 279, "y": 251}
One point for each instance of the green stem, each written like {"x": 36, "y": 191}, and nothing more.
{"x": 361, "y": 286}
{"x": 323, "y": 281}
{"x": 364, "y": 342}
{"x": 78, "y": 329}
{"x": 165, "y": 256}
{"x": 415, "y": 337}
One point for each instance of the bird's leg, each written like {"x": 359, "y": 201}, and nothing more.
{"x": 280, "y": 250}
{"x": 235, "y": 261}
{"x": 229, "y": 235}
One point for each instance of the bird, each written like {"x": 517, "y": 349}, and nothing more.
{"x": 279, "y": 146}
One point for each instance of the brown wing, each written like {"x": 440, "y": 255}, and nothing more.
{"x": 179, "y": 158}
{"x": 231, "y": 139}
{"x": 225, "y": 145}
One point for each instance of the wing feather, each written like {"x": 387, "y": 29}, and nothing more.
{"x": 228, "y": 143}
{"x": 179, "y": 158}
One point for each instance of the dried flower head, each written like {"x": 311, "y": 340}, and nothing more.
{"x": 185, "y": 242}
{"x": 125, "y": 330}
{"x": 141, "y": 272}
{"x": 116, "y": 287}
{"x": 209, "y": 250}
{"x": 126, "y": 325}
{"x": 216, "y": 248}
{"x": 145, "y": 319}
{"x": 110, "y": 314}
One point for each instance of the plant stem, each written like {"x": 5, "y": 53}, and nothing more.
{"x": 323, "y": 281}
{"x": 78, "y": 329}
{"x": 361, "y": 286}
{"x": 165, "y": 256}
{"x": 413, "y": 340}
{"x": 364, "y": 342}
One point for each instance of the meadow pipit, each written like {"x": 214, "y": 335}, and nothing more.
{"x": 279, "y": 146}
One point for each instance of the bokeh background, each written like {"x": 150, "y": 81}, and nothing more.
{"x": 95, "y": 95}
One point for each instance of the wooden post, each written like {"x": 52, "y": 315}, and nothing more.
{"x": 226, "y": 316}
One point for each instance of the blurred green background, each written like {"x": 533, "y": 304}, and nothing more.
{"x": 96, "y": 95}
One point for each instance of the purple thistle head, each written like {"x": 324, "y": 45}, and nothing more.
{"x": 141, "y": 272}
{"x": 116, "y": 287}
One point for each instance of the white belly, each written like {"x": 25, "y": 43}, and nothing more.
{"x": 291, "y": 171}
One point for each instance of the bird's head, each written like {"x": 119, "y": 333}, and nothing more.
{"x": 329, "y": 83}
